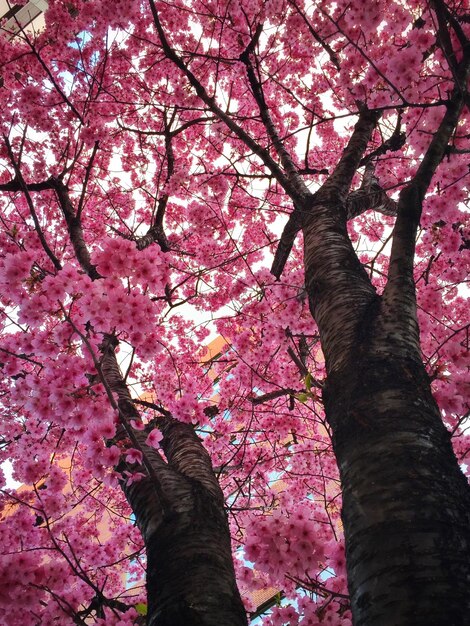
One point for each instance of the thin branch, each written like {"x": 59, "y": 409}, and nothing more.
{"x": 156, "y": 232}
{"x": 74, "y": 227}
{"x": 291, "y": 229}
{"x": 25, "y": 357}
{"x": 395, "y": 142}
{"x": 160, "y": 133}
{"x": 85, "y": 182}
{"x": 272, "y": 395}
{"x": 362, "y": 52}
{"x": 152, "y": 405}
{"x": 438, "y": 146}
{"x": 328, "y": 49}
{"x": 454, "y": 150}
{"x": 300, "y": 364}
{"x": 444, "y": 16}
{"x": 24, "y": 188}
{"x": 370, "y": 195}
{"x": 209, "y": 101}
{"x": 288, "y": 164}
{"x": 53, "y": 80}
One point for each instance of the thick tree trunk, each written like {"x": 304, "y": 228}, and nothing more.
{"x": 406, "y": 504}
{"x": 190, "y": 575}
{"x": 179, "y": 509}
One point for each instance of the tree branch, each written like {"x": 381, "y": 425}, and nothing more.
{"x": 370, "y": 195}
{"x": 53, "y": 80}
{"x": 87, "y": 178}
{"x": 399, "y": 291}
{"x": 291, "y": 229}
{"x": 187, "y": 455}
{"x": 73, "y": 222}
{"x": 288, "y": 164}
{"x": 74, "y": 227}
{"x": 336, "y": 186}
{"x": 395, "y": 142}
{"x": 328, "y": 49}
{"x": 15, "y": 185}
{"x": 24, "y": 188}
{"x": 156, "y": 232}
{"x": 444, "y": 16}
{"x": 340, "y": 180}
{"x": 272, "y": 395}
{"x": 209, "y": 101}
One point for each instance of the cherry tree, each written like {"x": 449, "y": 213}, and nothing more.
{"x": 290, "y": 175}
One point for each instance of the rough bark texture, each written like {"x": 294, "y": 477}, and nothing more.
{"x": 179, "y": 508}
{"x": 406, "y": 504}
{"x": 74, "y": 227}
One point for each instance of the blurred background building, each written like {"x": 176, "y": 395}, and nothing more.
{"x": 18, "y": 17}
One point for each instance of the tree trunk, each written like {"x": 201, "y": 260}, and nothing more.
{"x": 190, "y": 575}
{"x": 406, "y": 504}
{"x": 179, "y": 509}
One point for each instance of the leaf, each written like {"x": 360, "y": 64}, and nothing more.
{"x": 308, "y": 381}
{"x": 141, "y": 608}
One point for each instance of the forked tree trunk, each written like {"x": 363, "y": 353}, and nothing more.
{"x": 406, "y": 503}
{"x": 190, "y": 575}
{"x": 179, "y": 508}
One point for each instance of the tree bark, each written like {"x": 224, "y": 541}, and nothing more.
{"x": 406, "y": 504}
{"x": 190, "y": 575}
{"x": 179, "y": 509}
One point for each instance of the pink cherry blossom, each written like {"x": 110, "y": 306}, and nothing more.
{"x": 154, "y": 438}
{"x": 133, "y": 456}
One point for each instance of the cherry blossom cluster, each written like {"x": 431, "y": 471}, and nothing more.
{"x": 285, "y": 541}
